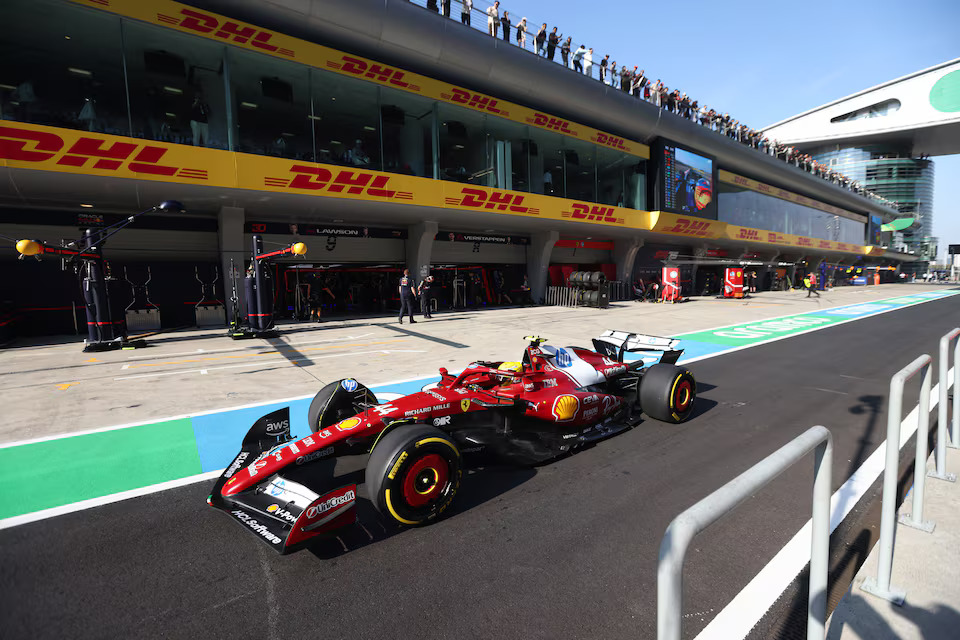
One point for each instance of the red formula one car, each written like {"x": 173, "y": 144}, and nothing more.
{"x": 549, "y": 403}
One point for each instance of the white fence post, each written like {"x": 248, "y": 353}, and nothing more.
{"x": 880, "y": 586}
{"x": 688, "y": 524}
{"x": 940, "y": 473}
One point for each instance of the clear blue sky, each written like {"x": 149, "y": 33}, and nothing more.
{"x": 765, "y": 61}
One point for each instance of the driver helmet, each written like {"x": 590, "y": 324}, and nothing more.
{"x": 509, "y": 366}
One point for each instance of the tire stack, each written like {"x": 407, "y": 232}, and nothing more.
{"x": 592, "y": 288}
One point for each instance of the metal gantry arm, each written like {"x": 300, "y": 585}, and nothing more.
{"x": 687, "y": 525}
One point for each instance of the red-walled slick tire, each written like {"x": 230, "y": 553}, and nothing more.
{"x": 667, "y": 393}
{"x": 413, "y": 474}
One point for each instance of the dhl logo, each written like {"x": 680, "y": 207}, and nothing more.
{"x": 700, "y": 228}
{"x": 763, "y": 188}
{"x": 549, "y": 122}
{"x": 784, "y": 194}
{"x": 592, "y": 213}
{"x": 610, "y": 141}
{"x": 749, "y": 234}
{"x": 825, "y": 244}
{"x": 804, "y": 242}
{"x": 40, "y": 146}
{"x": 497, "y": 200}
{"x": 842, "y": 247}
{"x": 345, "y": 181}
{"x": 474, "y": 100}
{"x": 378, "y": 72}
{"x": 230, "y": 31}
{"x": 775, "y": 238}
{"x": 741, "y": 181}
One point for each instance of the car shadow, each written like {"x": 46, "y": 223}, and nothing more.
{"x": 478, "y": 486}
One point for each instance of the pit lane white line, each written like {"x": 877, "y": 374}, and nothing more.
{"x": 87, "y": 504}
{"x": 738, "y": 618}
{"x": 259, "y": 363}
{"x": 183, "y": 416}
{"x": 265, "y": 347}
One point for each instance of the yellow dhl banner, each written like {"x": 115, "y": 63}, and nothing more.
{"x": 187, "y": 19}
{"x": 783, "y": 194}
{"x": 29, "y": 146}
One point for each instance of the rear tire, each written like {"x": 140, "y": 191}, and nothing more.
{"x": 413, "y": 474}
{"x": 667, "y": 393}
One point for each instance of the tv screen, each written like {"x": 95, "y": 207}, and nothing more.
{"x": 687, "y": 182}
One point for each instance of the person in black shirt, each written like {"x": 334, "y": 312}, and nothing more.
{"x": 505, "y": 22}
{"x": 565, "y": 53}
{"x": 552, "y": 41}
{"x": 425, "y": 297}
{"x": 406, "y": 288}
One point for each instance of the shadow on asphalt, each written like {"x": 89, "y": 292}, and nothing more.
{"x": 478, "y": 486}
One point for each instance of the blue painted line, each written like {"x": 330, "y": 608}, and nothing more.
{"x": 219, "y": 435}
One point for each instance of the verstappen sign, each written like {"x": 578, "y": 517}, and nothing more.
{"x": 210, "y": 25}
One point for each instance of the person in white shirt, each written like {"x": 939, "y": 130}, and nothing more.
{"x": 493, "y": 19}
{"x": 465, "y": 12}
{"x": 578, "y": 58}
{"x": 588, "y": 62}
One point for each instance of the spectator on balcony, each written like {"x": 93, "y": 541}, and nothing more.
{"x": 578, "y": 59}
{"x": 565, "y": 52}
{"x": 541, "y": 39}
{"x": 552, "y": 41}
{"x": 684, "y": 106}
{"x": 695, "y": 111}
{"x": 639, "y": 83}
{"x": 505, "y": 23}
{"x": 588, "y": 62}
{"x": 432, "y": 6}
{"x": 603, "y": 68}
{"x": 493, "y": 19}
{"x": 614, "y": 77}
{"x": 522, "y": 33}
{"x": 625, "y": 79}
{"x": 465, "y": 11}
{"x": 445, "y": 8}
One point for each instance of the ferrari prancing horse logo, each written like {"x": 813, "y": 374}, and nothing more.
{"x": 465, "y": 404}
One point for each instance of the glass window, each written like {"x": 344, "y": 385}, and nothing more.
{"x": 346, "y": 120}
{"x": 176, "y": 86}
{"x": 271, "y": 106}
{"x": 408, "y": 131}
{"x": 463, "y": 147}
{"x": 581, "y": 169}
{"x": 62, "y": 66}
{"x": 547, "y": 173}
{"x": 507, "y": 148}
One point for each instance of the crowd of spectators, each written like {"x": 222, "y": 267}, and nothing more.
{"x": 635, "y": 82}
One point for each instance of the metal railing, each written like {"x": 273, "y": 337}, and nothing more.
{"x": 944, "y": 364}
{"x": 688, "y": 524}
{"x": 563, "y": 296}
{"x": 880, "y": 586}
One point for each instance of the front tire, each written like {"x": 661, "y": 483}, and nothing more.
{"x": 667, "y": 393}
{"x": 413, "y": 474}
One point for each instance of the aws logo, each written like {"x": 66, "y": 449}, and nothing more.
{"x": 610, "y": 141}
{"x": 91, "y": 152}
{"x": 548, "y": 122}
{"x": 378, "y": 72}
{"x": 495, "y": 200}
{"x": 683, "y": 226}
{"x": 230, "y": 31}
{"x": 592, "y": 213}
{"x": 344, "y": 181}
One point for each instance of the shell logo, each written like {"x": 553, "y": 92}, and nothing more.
{"x": 348, "y": 424}
{"x": 565, "y": 408}
{"x": 273, "y": 508}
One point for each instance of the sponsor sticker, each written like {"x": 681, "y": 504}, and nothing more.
{"x": 255, "y": 526}
{"x": 465, "y": 405}
{"x": 422, "y": 410}
{"x": 349, "y": 384}
{"x": 237, "y": 463}
{"x": 316, "y": 455}
{"x": 442, "y": 421}
{"x": 563, "y": 359}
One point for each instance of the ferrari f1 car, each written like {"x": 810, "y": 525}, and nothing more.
{"x": 553, "y": 401}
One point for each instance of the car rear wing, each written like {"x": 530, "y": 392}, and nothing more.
{"x": 614, "y": 344}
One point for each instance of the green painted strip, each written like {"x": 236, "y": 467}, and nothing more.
{"x": 59, "y": 472}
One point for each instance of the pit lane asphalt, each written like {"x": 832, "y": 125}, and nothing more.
{"x": 566, "y": 550}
